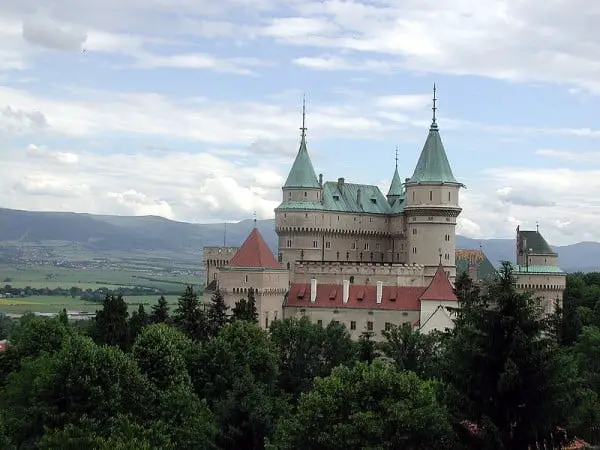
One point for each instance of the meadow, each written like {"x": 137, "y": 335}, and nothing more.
{"x": 53, "y": 277}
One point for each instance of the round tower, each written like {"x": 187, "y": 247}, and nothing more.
{"x": 432, "y": 207}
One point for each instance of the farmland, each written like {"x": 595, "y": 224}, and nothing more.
{"x": 45, "y": 288}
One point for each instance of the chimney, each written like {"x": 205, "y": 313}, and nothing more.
{"x": 346, "y": 290}
{"x": 321, "y": 180}
{"x": 358, "y": 197}
{"x": 313, "y": 290}
{"x": 379, "y": 291}
{"x": 340, "y": 183}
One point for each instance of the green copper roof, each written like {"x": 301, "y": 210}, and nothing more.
{"x": 539, "y": 269}
{"x": 344, "y": 197}
{"x": 302, "y": 174}
{"x": 396, "y": 186}
{"x": 534, "y": 242}
{"x": 433, "y": 165}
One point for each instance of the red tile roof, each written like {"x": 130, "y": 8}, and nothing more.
{"x": 255, "y": 252}
{"x": 400, "y": 298}
{"x": 440, "y": 287}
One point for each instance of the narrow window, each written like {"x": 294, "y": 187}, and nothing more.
{"x": 305, "y": 194}
{"x": 413, "y": 196}
{"x": 315, "y": 244}
{"x": 353, "y": 325}
{"x": 246, "y": 278}
{"x": 430, "y": 195}
{"x": 388, "y": 326}
{"x": 320, "y": 322}
{"x": 370, "y": 326}
{"x": 449, "y": 198}
{"x": 289, "y": 195}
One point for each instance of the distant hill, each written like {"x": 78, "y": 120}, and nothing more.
{"x": 102, "y": 233}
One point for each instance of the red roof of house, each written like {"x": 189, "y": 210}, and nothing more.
{"x": 400, "y": 298}
{"x": 255, "y": 252}
{"x": 440, "y": 287}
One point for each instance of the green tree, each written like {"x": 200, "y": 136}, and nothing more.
{"x": 160, "y": 351}
{"x": 110, "y": 326}
{"x": 6, "y": 326}
{"x": 63, "y": 317}
{"x": 508, "y": 375}
{"x": 367, "y": 347}
{"x": 217, "y": 313}
{"x": 160, "y": 311}
{"x": 138, "y": 320}
{"x": 368, "y": 406}
{"x": 412, "y": 350}
{"x": 245, "y": 309}
{"x": 237, "y": 373}
{"x": 189, "y": 317}
{"x": 307, "y": 350}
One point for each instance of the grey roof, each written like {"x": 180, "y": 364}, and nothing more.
{"x": 396, "y": 189}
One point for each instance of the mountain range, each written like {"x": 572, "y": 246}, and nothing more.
{"x": 105, "y": 233}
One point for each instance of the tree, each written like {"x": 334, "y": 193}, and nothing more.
{"x": 160, "y": 351}
{"x": 412, "y": 350}
{"x": 307, "y": 350}
{"x": 189, "y": 317}
{"x": 160, "y": 311}
{"x": 139, "y": 319}
{"x": 110, "y": 326}
{"x": 245, "y": 309}
{"x": 236, "y": 372}
{"x": 368, "y": 406}
{"x": 367, "y": 348}
{"x": 217, "y": 313}
{"x": 507, "y": 373}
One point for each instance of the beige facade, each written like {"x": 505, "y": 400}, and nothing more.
{"x": 216, "y": 258}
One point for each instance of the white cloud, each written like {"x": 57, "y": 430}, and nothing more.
{"x": 403, "y": 101}
{"x": 49, "y": 34}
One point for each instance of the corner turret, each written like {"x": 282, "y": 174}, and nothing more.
{"x": 396, "y": 190}
{"x": 302, "y": 184}
{"x": 432, "y": 206}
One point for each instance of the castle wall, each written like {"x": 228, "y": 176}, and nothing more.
{"x": 270, "y": 287}
{"x": 537, "y": 259}
{"x": 355, "y": 320}
{"x": 548, "y": 287}
{"x": 359, "y": 273}
{"x": 216, "y": 258}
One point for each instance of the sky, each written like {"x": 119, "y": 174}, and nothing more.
{"x": 190, "y": 109}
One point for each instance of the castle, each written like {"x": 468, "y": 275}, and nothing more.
{"x": 350, "y": 254}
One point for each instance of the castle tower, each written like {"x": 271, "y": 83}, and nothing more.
{"x": 396, "y": 191}
{"x": 302, "y": 196}
{"x": 432, "y": 206}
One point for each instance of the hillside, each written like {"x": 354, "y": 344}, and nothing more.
{"x": 99, "y": 234}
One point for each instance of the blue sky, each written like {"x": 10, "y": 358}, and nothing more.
{"x": 191, "y": 110}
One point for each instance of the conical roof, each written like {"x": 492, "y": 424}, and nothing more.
{"x": 433, "y": 165}
{"x": 254, "y": 253}
{"x": 440, "y": 287}
{"x": 396, "y": 186}
{"x": 302, "y": 174}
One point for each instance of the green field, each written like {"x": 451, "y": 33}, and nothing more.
{"x": 53, "y": 304}
{"x": 114, "y": 276}
{"x": 51, "y": 277}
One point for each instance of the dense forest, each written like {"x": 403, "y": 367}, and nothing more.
{"x": 210, "y": 378}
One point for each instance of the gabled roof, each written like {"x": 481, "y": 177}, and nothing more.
{"x": 465, "y": 258}
{"x": 254, "y": 253}
{"x": 433, "y": 165}
{"x": 440, "y": 287}
{"x": 396, "y": 189}
{"x": 534, "y": 242}
{"x": 302, "y": 173}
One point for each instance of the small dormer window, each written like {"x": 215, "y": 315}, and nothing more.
{"x": 336, "y": 197}
{"x": 374, "y": 201}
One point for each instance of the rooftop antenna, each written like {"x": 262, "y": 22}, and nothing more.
{"x": 537, "y": 226}
{"x": 396, "y": 156}
{"x": 303, "y": 128}
{"x": 434, "y": 108}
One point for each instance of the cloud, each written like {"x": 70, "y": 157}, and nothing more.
{"x": 21, "y": 120}
{"x": 403, "y": 101}
{"x": 332, "y": 63}
{"x": 45, "y": 33}
{"x": 576, "y": 156}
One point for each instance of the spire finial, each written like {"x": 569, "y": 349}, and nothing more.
{"x": 396, "y": 157}
{"x": 440, "y": 254}
{"x": 434, "y": 108}
{"x": 254, "y": 214}
{"x": 303, "y": 129}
